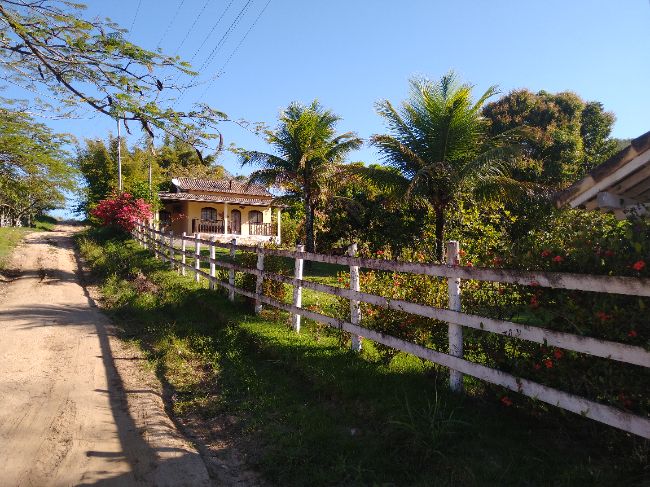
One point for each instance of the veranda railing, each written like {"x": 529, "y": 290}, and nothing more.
{"x": 163, "y": 246}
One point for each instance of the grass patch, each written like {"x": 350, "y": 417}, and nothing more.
{"x": 12, "y": 236}
{"x": 44, "y": 223}
{"x": 9, "y": 238}
{"x": 315, "y": 413}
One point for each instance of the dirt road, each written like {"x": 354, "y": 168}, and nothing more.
{"x": 76, "y": 407}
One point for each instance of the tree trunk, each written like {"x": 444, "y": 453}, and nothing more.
{"x": 440, "y": 232}
{"x": 309, "y": 226}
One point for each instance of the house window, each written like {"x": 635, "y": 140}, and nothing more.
{"x": 209, "y": 214}
{"x": 255, "y": 217}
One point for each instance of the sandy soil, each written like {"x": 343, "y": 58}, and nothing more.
{"x": 76, "y": 405}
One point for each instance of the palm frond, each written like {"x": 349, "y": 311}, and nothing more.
{"x": 384, "y": 178}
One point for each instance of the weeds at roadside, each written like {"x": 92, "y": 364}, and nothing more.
{"x": 310, "y": 412}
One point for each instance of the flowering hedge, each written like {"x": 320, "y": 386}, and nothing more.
{"x": 122, "y": 210}
{"x": 575, "y": 241}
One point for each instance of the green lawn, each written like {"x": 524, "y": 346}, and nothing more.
{"x": 10, "y": 236}
{"x": 310, "y": 412}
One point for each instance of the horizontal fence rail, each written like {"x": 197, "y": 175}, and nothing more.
{"x": 157, "y": 242}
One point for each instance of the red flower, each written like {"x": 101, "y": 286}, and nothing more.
{"x": 632, "y": 333}
{"x": 533, "y": 302}
{"x": 506, "y": 401}
{"x": 602, "y": 316}
{"x": 558, "y": 258}
{"x": 537, "y": 366}
{"x": 558, "y": 354}
{"x": 625, "y": 400}
{"x": 461, "y": 252}
{"x": 380, "y": 252}
{"x": 548, "y": 363}
{"x": 469, "y": 264}
{"x": 609, "y": 253}
{"x": 639, "y": 265}
{"x": 546, "y": 253}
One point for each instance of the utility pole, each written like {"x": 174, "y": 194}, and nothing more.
{"x": 153, "y": 153}
{"x": 119, "y": 158}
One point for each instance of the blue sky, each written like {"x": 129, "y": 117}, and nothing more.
{"x": 349, "y": 54}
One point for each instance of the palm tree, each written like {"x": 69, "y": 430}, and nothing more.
{"x": 308, "y": 158}
{"x": 439, "y": 149}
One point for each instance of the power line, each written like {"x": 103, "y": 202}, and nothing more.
{"x": 226, "y": 34}
{"x": 245, "y": 36}
{"x": 189, "y": 31}
{"x": 233, "y": 24}
{"x": 171, "y": 22}
{"x": 137, "y": 9}
{"x": 207, "y": 88}
{"x": 205, "y": 40}
{"x": 211, "y": 31}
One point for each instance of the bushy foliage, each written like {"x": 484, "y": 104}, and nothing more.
{"x": 122, "y": 211}
{"x": 277, "y": 265}
{"x": 573, "y": 241}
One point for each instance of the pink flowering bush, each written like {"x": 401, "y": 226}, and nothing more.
{"x": 122, "y": 211}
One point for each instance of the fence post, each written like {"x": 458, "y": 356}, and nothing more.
{"x": 143, "y": 235}
{"x": 260, "y": 280}
{"x": 455, "y": 333}
{"x": 197, "y": 257}
{"x": 154, "y": 243}
{"x": 213, "y": 255}
{"x": 231, "y": 272}
{"x": 355, "y": 306}
{"x": 172, "y": 259}
{"x": 183, "y": 252}
{"x": 297, "y": 289}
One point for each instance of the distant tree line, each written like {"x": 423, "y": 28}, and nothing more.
{"x": 34, "y": 169}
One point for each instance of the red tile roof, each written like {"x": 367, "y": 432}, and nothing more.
{"x": 220, "y": 186}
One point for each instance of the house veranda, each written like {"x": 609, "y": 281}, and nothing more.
{"x": 226, "y": 208}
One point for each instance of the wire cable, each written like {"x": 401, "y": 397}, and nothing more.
{"x": 171, "y": 22}
{"x": 137, "y": 9}
{"x": 233, "y": 25}
{"x": 211, "y": 31}
{"x": 220, "y": 71}
{"x": 225, "y": 36}
{"x": 189, "y": 31}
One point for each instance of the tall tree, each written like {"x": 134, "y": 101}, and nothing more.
{"x": 566, "y": 136}
{"x": 47, "y": 47}
{"x": 439, "y": 148}
{"x": 308, "y": 158}
{"x": 97, "y": 162}
{"x": 34, "y": 168}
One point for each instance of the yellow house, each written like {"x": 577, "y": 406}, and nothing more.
{"x": 227, "y": 208}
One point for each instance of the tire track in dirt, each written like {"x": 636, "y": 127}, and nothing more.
{"x": 72, "y": 410}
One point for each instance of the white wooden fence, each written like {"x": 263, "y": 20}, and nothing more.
{"x": 162, "y": 245}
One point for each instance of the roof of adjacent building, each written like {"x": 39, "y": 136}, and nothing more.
{"x": 215, "y": 198}
{"x": 221, "y": 186}
{"x": 621, "y": 182}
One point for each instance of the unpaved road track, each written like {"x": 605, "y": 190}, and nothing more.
{"x": 73, "y": 408}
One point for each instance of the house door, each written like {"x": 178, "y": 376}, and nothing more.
{"x": 235, "y": 222}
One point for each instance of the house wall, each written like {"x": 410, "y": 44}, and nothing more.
{"x": 192, "y": 210}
